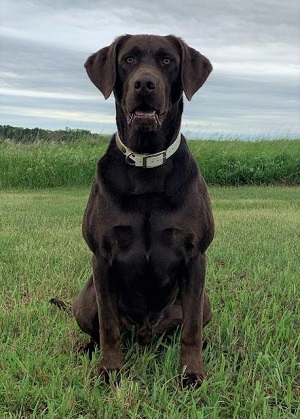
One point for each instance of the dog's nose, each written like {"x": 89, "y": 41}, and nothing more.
{"x": 144, "y": 85}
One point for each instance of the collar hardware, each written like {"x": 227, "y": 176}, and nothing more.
{"x": 147, "y": 161}
{"x": 128, "y": 159}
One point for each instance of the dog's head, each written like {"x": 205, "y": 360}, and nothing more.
{"x": 148, "y": 74}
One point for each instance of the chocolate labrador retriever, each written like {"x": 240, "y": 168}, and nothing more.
{"x": 148, "y": 221}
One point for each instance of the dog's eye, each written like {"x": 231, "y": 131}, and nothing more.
{"x": 166, "y": 61}
{"x": 129, "y": 60}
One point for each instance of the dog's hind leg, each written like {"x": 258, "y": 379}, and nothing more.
{"x": 172, "y": 318}
{"x": 207, "y": 313}
{"x": 85, "y": 311}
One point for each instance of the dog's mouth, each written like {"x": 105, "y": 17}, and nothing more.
{"x": 145, "y": 117}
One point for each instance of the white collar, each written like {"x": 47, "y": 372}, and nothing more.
{"x": 147, "y": 161}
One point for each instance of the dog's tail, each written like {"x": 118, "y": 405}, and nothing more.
{"x": 61, "y": 305}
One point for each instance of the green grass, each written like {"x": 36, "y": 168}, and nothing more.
{"x": 48, "y": 164}
{"x": 237, "y": 162}
{"x": 42, "y": 164}
{"x": 252, "y": 357}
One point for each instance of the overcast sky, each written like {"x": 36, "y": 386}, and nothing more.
{"x": 253, "y": 46}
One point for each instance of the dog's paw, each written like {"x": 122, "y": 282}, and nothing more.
{"x": 191, "y": 380}
{"x": 110, "y": 375}
{"x": 88, "y": 348}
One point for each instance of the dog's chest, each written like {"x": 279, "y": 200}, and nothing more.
{"x": 149, "y": 239}
{"x": 148, "y": 251}
{"x": 148, "y": 257}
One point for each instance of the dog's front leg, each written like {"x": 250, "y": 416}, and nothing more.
{"x": 109, "y": 323}
{"x": 192, "y": 300}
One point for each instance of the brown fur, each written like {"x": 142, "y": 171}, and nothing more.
{"x": 148, "y": 229}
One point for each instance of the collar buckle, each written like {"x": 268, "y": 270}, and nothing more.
{"x": 162, "y": 154}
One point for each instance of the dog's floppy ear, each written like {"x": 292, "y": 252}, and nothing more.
{"x": 195, "y": 69}
{"x": 101, "y": 68}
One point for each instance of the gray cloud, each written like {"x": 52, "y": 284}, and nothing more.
{"x": 253, "y": 46}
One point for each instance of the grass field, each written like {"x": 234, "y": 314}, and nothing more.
{"x": 252, "y": 357}
{"x": 42, "y": 164}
